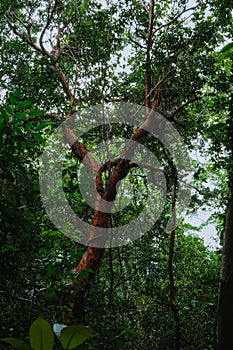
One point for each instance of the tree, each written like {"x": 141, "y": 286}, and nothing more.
{"x": 83, "y": 43}
{"x": 225, "y": 304}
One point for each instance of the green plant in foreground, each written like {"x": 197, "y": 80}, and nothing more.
{"x": 42, "y": 337}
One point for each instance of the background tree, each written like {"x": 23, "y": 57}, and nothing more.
{"x": 225, "y": 306}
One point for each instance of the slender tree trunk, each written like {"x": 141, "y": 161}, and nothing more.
{"x": 224, "y": 332}
{"x": 174, "y": 308}
{"x": 225, "y": 303}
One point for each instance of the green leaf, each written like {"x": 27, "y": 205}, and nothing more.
{"x": 216, "y": 127}
{"x": 41, "y": 335}
{"x": 38, "y": 137}
{"x": 24, "y": 103}
{"x": 12, "y": 98}
{"x": 73, "y": 336}
{"x": 20, "y": 115}
{"x": 35, "y": 112}
{"x": 52, "y": 233}
{"x": 16, "y": 343}
{"x": 40, "y": 127}
{"x": 46, "y": 232}
{"x": 28, "y": 126}
{"x": 227, "y": 47}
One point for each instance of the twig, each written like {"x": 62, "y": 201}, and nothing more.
{"x": 144, "y": 6}
{"x": 148, "y": 55}
{"x": 185, "y": 104}
{"x": 25, "y": 39}
{"x": 136, "y": 43}
{"x": 16, "y": 297}
{"x": 49, "y": 19}
{"x": 174, "y": 19}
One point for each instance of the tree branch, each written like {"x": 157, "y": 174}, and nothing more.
{"x": 135, "y": 42}
{"x": 16, "y": 296}
{"x": 148, "y": 55}
{"x": 185, "y": 104}
{"x": 144, "y": 6}
{"x": 174, "y": 19}
{"x": 43, "y": 51}
{"x": 25, "y": 39}
{"x": 49, "y": 19}
{"x": 80, "y": 150}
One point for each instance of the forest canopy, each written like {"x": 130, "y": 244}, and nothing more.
{"x": 85, "y": 71}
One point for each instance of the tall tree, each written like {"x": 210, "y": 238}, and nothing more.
{"x": 74, "y": 42}
{"x": 224, "y": 338}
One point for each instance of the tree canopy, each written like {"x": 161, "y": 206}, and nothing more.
{"x": 61, "y": 59}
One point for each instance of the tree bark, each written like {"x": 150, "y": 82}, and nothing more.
{"x": 224, "y": 331}
{"x": 224, "y": 338}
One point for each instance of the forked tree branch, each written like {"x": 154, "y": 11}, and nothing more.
{"x": 24, "y": 38}
{"x": 49, "y": 19}
{"x": 43, "y": 51}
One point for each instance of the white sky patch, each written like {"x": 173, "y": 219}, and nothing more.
{"x": 208, "y": 233}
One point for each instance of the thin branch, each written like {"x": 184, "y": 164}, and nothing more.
{"x": 132, "y": 164}
{"x": 144, "y": 6}
{"x": 66, "y": 88}
{"x": 25, "y": 39}
{"x": 51, "y": 115}
{"x": 141, "y": 133}
{"x": 49, "y": 19}
{"x": 141, "y": 36}
{"x": 135, "y": 42}
{"x": 68, "y": 54}
{"x": 156, "y": 91}
{"x": 174, "y": 19}
{"x": 156, "y": 87}
{"x": 16, "y": 297}
{"x": 148, "y": 55}
{"x": 86, "y": 158}
{"x": 144, "y": 165}
{"x": 185, "y": 104}
{"x": 43, "y": 115}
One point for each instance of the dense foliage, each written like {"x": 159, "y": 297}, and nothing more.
{"x": 58, "y": 57}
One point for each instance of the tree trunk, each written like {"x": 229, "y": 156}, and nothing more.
{"x": 225, "y": 304}
{"x": 224, "y": 332}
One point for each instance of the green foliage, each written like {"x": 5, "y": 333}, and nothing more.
{"x": 227, "y": 48}
{"x": 16, "y": 343}
{"x": 136, "y": 309}
{"x": 73, "y": 336}
{"x": 104, "y": 60}
{"x": 42, "y": 337}
{"x": 216, "y": 127}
